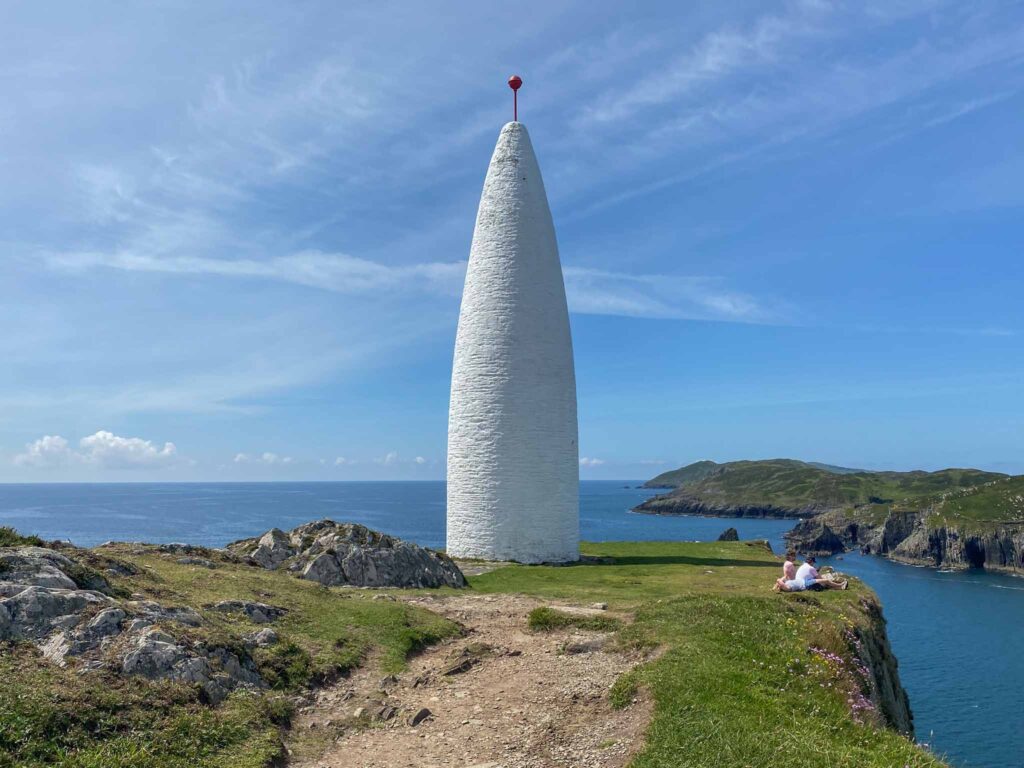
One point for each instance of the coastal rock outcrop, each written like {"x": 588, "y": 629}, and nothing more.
{"x": 340, "y": 554}
{"x": 816, "y": 537}
{"x": 871, "y": 643}
{"x": 729, "y": 534}
{"x": 68, "y": 609}
{"x": 907, "y": 536}
{"x": 156, "y": 655}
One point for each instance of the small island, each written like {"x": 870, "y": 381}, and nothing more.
{"x": 952, "y": 518}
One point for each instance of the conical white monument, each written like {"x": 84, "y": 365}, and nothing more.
{"x": 513, "y": 458}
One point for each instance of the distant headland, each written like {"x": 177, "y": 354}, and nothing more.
{"x": 951, "y": 518}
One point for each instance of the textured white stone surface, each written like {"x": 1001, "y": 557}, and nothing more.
{"x": 513, "y": 459}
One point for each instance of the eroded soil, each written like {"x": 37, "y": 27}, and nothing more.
{"x": 501, "y": 696}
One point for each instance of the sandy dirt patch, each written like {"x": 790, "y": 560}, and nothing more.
{"x": 498, "y": 697}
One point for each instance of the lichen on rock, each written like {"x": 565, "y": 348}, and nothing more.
{"x": 348, "y": 554}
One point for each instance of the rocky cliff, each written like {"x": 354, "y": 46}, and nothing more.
{"x": 909, "y": 537}
{"x": 871, "y": 643}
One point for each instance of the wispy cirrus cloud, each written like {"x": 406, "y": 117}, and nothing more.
{"x": 328, "y": 271}
{"x": 669, "y": 297}
{"x": 589, "y": 291}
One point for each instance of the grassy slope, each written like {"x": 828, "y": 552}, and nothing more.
{"x": 796, "y": 485}
{"x": 982, "y": 508}
{"x": 50, "y": 716}
{"x": 691, "y": 473}
{"x": 736, "y": 685}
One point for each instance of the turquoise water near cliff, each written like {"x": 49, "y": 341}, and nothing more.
{"x": 958, "y": 636}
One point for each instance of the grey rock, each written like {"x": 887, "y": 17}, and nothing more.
{"x": 154, "y": 656}
{"x": 325, "y": 569}
{"x": 337, "y": 554}
{"x": 157, "y": 656}
{"x": 815, "y": 537}
{"x": 35, "y": 612}
{"x": 273, "y": 548}
{"x": 261, "y": 613}
{"x": 154, "y": 612}
{"x": 75, "y": 642}
{"x": 420, "y": 716}
{"x": 262, "y": 639}
{"x": 36, "y": 566}
{"x": 729, "y": 534}
{"x": 106, "y": 622}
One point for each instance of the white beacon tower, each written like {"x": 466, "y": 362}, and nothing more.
{"x": 513, "y": 458}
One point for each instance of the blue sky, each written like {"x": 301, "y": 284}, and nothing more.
{"x": 788, "y": 229}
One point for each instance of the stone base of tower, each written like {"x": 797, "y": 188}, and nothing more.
{"x": 529, "y": 555}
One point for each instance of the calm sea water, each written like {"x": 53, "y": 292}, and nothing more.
{"x": 957, "y": 635}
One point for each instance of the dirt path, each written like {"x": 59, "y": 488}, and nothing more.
{"x": 499, "y": 697}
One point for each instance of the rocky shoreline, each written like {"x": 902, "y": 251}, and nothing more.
{"x": 676, "y": 504}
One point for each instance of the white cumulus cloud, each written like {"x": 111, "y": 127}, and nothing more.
{"x": 586, "y": 461}
{"x": 48, "y": 451}
{"x": 420, "y": 460}
{"x": 102, "y": 449}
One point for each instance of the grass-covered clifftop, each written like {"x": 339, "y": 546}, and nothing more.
{"x": 745, "y": 676}
{"x": 738, "y": 675}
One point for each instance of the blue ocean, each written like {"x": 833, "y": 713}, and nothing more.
{"x": 957, "y": 635}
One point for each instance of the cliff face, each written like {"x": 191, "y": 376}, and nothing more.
{"x": 907, "y": 537}
{"x": 888, "y": 695}
{"x": 945, "y": 547}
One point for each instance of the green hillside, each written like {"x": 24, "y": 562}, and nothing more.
{"x": 982, "y": 507}
{"x": 783, "y": 487}
{"x": 697, "y": 471}
{"x": 691, "y": 473}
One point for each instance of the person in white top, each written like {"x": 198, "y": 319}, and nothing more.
{"x": 807, "y": 577}
{"x": 807, "y": 570}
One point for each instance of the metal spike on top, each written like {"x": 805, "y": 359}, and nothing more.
{"x": 515, "y": 83}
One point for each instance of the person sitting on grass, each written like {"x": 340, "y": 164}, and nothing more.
{"x": 807, "y": 577}
{"x": 789, "y": 567}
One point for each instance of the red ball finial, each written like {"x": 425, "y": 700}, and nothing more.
{"x": 515, "y": 83}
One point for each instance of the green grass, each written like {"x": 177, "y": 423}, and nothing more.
{"x": 736, "y": 683}
{"x": 982, "y": 509}
{"x": 545, "y": 619}
{"x": 11, "y": 538}
{"x": 53, "y": 716}
{"x": 691, "y": 473}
